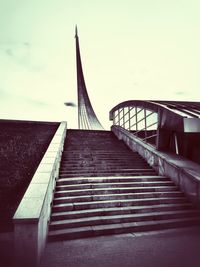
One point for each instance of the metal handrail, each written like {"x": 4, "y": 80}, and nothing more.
{"x": 148, "y": 137}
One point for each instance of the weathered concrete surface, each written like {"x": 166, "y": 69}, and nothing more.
{"x": 32, "y": 216}
{"x": 185, "y": 173}
{"x": 174, "y": 248}
{"x": 7, "y": 249}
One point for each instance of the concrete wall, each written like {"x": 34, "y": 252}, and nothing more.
{"x": 183, "y": 172}
{"x": 32, "y": 216}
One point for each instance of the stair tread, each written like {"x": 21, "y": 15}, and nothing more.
{"x": 105, "y": 174}
{"x": 119, "y": 209}
{"x": 123, "y": 169}
{"x": 122, "y": 208}
{"x": 117, "y": 189}
{"x": 121, "y": 216}
{"x": 93, "y": 179}
{"x": 118, "y": 195}
{"x": 119, "y": 184}
{"x": 120, "y": 225}
{"x": 119, "y": 201}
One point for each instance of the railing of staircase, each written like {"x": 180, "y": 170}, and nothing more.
{"x": 140, "y": 121}
{"x": 172, "y": 126}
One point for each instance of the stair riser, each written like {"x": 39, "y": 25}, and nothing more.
{"x": 113, "y": 191}
{"x": 110, "y": 146}
{"x": 106, "y": 152}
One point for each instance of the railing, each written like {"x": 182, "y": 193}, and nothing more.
{"x": 185, "y": 173}
{"x": 140, "y": 121}
{"x": 172, "y": 126}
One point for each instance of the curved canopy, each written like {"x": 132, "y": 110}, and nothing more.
{"x": 172, "y": 115}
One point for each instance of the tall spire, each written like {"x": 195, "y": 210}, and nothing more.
{"x": 87, "y": 118}
{"x": 76, "y": 31}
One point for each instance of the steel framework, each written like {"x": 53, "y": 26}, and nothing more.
{"x": 158, "y": 122}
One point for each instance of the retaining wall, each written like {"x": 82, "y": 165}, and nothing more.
{"x": 32, "y": 216}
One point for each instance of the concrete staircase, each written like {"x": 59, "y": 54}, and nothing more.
{"x": 105, "y": 188}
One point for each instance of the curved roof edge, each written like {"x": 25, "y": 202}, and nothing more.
{"x": 181, "y": 108}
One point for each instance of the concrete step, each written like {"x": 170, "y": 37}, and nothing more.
{"x": 117, "y": 203}
{"x": 114, "y": 179}
{"x": 119, "y": 161}
{"x": 113, "y": 190}
{"x": 98, "y": 163}
{"x": 98, "y": 159}
{"x": 110, "y": 185}
{"x": 88, "y": 162}
{"x": 97, "y": 145}
{"x": 109, "y": 152}
{"x": 122, "y": 218}
{"x": 113, "y": 155}
{"x": 118, "y": 228}
{"x": 105, "y": 174}
{"x": 85, "y": 170}
{"x": 89, "y": 198}
{"x": 118, "y": 210}
{"x": 101, "y": 167}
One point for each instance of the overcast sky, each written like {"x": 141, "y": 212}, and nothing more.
{"x": 131, "y": 49}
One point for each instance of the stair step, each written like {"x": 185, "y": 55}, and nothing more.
{"x": 117, "y": 203}
{"x": 123, "y": 218}
{"x": 118, "y": 210}
{"x": 90, "y": 152}
{"x": 118, "y": 159}
{"x": 101, "y": 168}
{"x": 91, "y": 162}
{"x": 110, "y": 170}
{"x": 113, "y": 190}
{"x": 113, "y": 157}
{"x": 112, "y": 185}
{"x": 105, "y": 174}
{"x": 80, "y": 232}
{"x": 80, "y": 180}
{"x": 89, "y": 198}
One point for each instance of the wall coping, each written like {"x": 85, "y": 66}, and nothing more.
{"x": 31, "y": 205}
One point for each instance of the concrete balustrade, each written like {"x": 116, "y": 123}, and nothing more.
{"x": 32, "y": 216}
{"x": 183, "y": 172}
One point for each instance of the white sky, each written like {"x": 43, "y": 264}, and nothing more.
{"x": 131, "y": 49}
